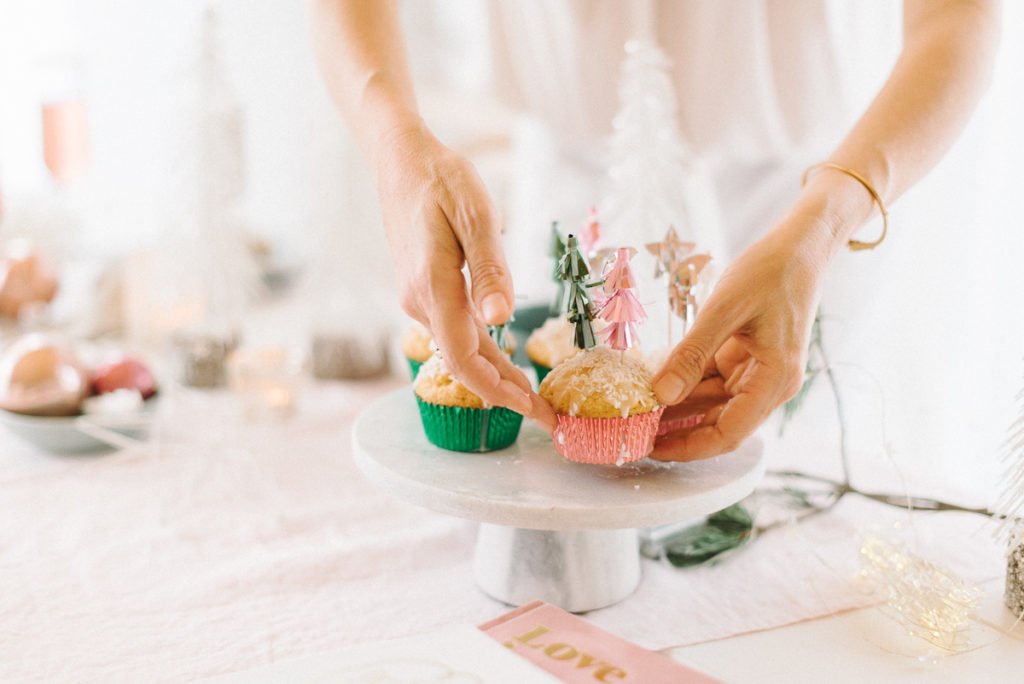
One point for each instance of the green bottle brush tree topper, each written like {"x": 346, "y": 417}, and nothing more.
{"x": 573, "y": 270}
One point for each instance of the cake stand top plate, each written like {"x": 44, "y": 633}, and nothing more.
{"x": 529, "y": 485}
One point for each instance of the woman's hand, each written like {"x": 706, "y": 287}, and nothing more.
{"x": 747, "y": 350}
{"x": 439, "y": 217}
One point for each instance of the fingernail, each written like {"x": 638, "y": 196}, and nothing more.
{"x": 493, "y": 308}
{"x": 668, "y": 388}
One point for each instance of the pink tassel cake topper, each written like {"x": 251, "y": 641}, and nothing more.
{"x": 621, "y": 309}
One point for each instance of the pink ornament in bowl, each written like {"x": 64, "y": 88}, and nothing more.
{"x": 39, "y": 377}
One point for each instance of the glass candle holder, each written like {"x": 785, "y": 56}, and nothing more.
{"x": 267, "y": 378}
{"x": 201, "y": 358}
{"x": 350, "y": 355}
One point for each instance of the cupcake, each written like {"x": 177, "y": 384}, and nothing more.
{"x": 417, "y": 347}
{"x": 549, "y": 345}
{"x": 455, "y": 418}
{"x": 606, "y": 409}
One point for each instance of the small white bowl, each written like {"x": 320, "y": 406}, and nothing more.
{"x": 80, "y": 434}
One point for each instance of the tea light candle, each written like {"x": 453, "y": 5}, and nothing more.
{"x": 268, "y": 379}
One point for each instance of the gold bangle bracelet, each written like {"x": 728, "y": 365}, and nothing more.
{"x": 855, "y": 245}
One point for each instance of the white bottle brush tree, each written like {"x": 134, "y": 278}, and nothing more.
{"x": 654, "y": 180}
{"x": 209, "y": 182}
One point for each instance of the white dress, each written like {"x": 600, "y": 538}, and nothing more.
{"x": 766, "y": 88}
{"x": 763, "y": 88}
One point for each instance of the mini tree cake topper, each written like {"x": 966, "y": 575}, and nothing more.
{"x": 499, "y": 333}
{"x": 621, "y": 309}
{"x": 677, "y": 260}
{"x": 669, "y": 253}
{"x": 682, "y": 287}
{"x": 556, "y": 251}
{"x": 573, "y": 269}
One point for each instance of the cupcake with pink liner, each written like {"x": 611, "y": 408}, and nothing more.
{"x": 602, "y": 396}
{"x": 606, "y": 409}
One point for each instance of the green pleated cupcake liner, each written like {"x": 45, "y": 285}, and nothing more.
{"x": 542, "y": 371}
{"x": 414, "y": 366}
{"x": 469, "y": 429}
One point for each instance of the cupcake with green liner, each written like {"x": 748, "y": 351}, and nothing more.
{"x": 418, "y": 346}
{"x": 455, "y": 418}
{"x": 549, "y": 345}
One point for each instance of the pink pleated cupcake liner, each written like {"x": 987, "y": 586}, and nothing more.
{"x": 667, "y": 426}
{"x": 607, "y": 440}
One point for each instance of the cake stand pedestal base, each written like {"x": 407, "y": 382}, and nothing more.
{"x": 550, "y": 529}
{"x": 577, "y": 570}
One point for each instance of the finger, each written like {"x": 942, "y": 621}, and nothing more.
{"x": 477, "y": 226}
{"x": 540, "y": 412}
{"x": 688, "y": 361}
{"x": 508, "y": 370}
{"x": 739, "y": 418}
{"x": 455, "y": 332}
{"x": 709, "y": 417}
{"x": 729, "y": 356}
{"x": 707, "y": 394}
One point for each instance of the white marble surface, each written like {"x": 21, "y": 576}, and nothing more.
{"x": 529, "y": 485}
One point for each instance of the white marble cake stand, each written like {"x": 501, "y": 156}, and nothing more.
{"x": 550, "y": 529}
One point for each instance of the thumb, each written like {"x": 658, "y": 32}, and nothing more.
{"x": 488, "y": 273}
{"x": 685, "y": 366}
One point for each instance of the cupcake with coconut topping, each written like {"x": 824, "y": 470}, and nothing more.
{"x": 549, "y": 345}
{"x": 606, "y": 409}
{"x": 455, "y": 418}
{"x": 418, "y": 346}
{"x": 602, "y": 396}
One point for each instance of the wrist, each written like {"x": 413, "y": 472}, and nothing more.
{"x": 830, "y": 208}
{"x": 393, "y": 133}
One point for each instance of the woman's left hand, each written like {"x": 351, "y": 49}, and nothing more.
{"x": 747, "y": 350}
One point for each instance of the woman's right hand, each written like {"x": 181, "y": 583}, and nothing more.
{"x": 438, "y": 216}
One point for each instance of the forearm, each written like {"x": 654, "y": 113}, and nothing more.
{"x": 361, "y": 54}
{"x": 943, "y": 70}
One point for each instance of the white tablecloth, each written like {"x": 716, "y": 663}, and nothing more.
{"x": 231, "y": 545}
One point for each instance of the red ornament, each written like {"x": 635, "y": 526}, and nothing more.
{"x": 128, "y": 373}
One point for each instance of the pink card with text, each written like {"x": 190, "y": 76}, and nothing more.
{"x": 574, "y": 650}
